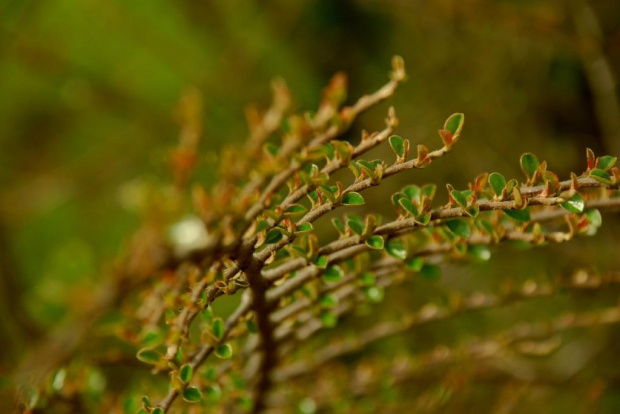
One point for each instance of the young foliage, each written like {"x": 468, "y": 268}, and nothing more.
{"x": 278, "y": 275}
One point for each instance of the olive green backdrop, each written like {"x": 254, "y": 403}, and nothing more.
{"x": 88, "y": 90}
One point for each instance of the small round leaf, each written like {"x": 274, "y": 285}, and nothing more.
{"x": 186, "y": 373}
{"x": 519, "y": 215}
{"x": 352, "y": 199}
{"x": 575, "y": 204}
{"x": 459, "y": 227}
{"x": 497, "y": 183}
{"x": 149, "y": 356}
{"x": 375, "y": 242}
{"x": 454, "y": 124}
{"x": 192, "y": 395}
{"x": 333, "y": 274}
{"x": 529, "y": 164}
{"x": 273, "y": 236}
{"x": 396, "y": 248}
{"x": 217, "y": 328}
{"x": 398, "y": 145}
{"x": 224, "y": 351}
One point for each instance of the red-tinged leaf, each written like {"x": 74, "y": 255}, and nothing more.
{"x": 591, "y": 159}
{"x": 446, "y": 137}
{"x": 454, "y": 124}
{"x": 422, "y": 153}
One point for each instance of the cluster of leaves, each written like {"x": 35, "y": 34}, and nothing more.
{"x": 262, "y": 251}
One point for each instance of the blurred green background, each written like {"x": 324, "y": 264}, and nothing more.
{"x": 88, "y": 90}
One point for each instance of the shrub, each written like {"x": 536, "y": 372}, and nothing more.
{"x": 247, "y": 304}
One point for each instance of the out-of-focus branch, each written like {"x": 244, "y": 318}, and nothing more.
{"x": 205, "y": 350}
{"x": 599, "y": 73}
{"x": 478, "y": 301}
{"x": 347, "y": 114}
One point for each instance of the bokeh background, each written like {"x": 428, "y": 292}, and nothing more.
{"x": 88, "y": 91}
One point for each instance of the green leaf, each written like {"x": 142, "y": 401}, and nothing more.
{"x": 600, "y": 176}
{"x": 396, "y": 248}
{"x": 529, "y": 164}
{"x": 314, "y": 197}
{"x": 375, "y": 242}
{"x": 217, "y": 328}
{"x": 398, "y": 145}
{"x": 339, "y": 225}
{"x": 459, "y": 227}
{"x": 151, "y": 338}
{"x": 224, "y": 351}
{"x": 304, "y": 228}
{"x": 207, "y": 314}
{"x": 251, "y": 325}
{"x": 355, "y": 226}
{"x": 430, "y": 271}
{"x": 157, "y": 410}
{"x": 333, "y": 274}
{"x": 262, "y": 225}
{"x": 408, "y": 206}
{"x": 497, "y": 182}
{"x": 519, "y": 215}
{"x": 594, "y": 217}
{"x": 460, "y": 198}
{"x": 355, "y": 169}
{"x": 607, "y": 162}
{"x": 356, "y": 218}
{"x": 343, "y": 150}
{"x": 429, "y": 190}
{"x": 295, "y": 210}
{"x": 328, "y": 319}
{"x": 245, "y": 403}
{"x": 575, "y": 204}
{"x": 211, "y": 374}
{"x": 367, "y": 279}
{"x": 367, "y": 167}
{"x": 192, "y": 395}
{"x": 149, "y": 356}
{"x": 273, "y": 236}
{"x": 328, "y": 301}
{"x": 375, "y": 294}
{"x": 242, "y": 283}
{"x": 321, "y": 262}
{"x": 186, "y": 373}
{"x": 454, "y": 124}
{"x": 414, "y": 264}
{"x": 328, "y": 150}
{"x": 487, "y": 226}
{"x": 352, "y": 199}
{"x": 271, "y": 148}
{"x": 472, "y": 211}
{"x": 423, "y": 219}
{"x": 213, "y": 392}
{"x": 396, "y": 197}
{"x": 413, "y": 192}
{"x": 480, "y": 253}
{"x": 327, "y": 193}
{"x": 146, "y": 401}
